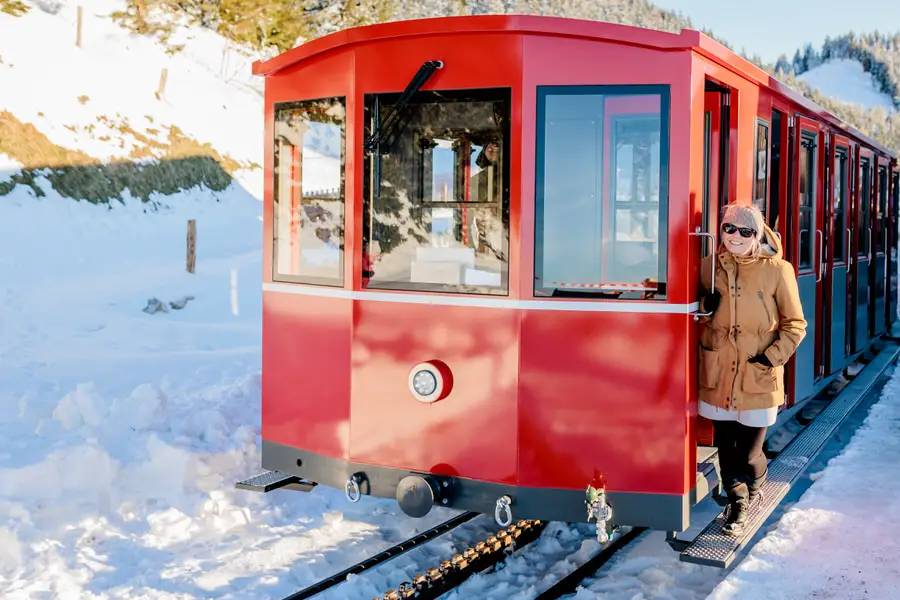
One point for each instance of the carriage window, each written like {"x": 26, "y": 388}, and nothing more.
{"x": 807, "y": 172}
{"x": 436, "y": 208}
{"x": 601, "y": 194}
{"x": 880, "y": 222}
{"x": 762, "y": 166}
{"x": 309, "y": 192}
{"x": 865, "y": 193}
{"x": 840, "y": 200}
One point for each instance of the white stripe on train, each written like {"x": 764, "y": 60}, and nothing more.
{"x": 617, "y": 306}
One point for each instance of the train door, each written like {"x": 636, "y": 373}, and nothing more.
{"x": 878, "y": 268}
{"x": 892, "y": 238}
{"x": 716, "y": 182}
{"x": 837, "y": 234}
{"x": 807, "y": 240}
{"x": 863, "y": 249}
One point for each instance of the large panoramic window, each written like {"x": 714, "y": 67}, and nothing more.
{"x": 601, "y": 191}
{"x": 309, "y": 192}
{"x": 436, "y": 192}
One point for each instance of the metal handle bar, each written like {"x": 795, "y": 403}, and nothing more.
{"x": 712, "y": 256}
{"x": 821, "y": 255}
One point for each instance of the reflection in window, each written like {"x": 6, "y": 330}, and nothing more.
{"x": 840, "y": 200}
{"x": 436, "y": 210}
{"x": 762, "y": 166}
{"x": 601, "y": 200}
{"x": 807, "y": 187}
{"x": 309, "y": 191}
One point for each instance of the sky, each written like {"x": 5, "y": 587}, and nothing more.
{"x": 773, "y": 27}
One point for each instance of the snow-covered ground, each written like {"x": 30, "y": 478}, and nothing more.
{"x": 844, "y": 79}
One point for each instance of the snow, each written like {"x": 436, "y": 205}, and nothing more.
{"x": 123, "y": 432}
{"x": 844, "y": 79}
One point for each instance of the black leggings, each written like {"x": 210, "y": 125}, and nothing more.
{"x": 741, "y": 456}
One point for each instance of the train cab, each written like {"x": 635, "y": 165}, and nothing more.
{"x": 483, "y": 241}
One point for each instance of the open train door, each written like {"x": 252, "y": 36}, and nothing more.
{"x": 837, "y": 234}
{"x": 716, "y": 183}
{"x": 862, "y": 252}
{"x": 892, "y": 239}
{"x": 878, "y": 268}
{"x": 807, "y": 241}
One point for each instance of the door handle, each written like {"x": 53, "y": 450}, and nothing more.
{"x": 821, "y": 237}
{"x": 712, "y": 257}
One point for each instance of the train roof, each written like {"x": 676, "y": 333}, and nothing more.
{"x": 687, "y": 39}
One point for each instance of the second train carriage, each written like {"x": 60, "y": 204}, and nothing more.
{"x": 483, "y": 238}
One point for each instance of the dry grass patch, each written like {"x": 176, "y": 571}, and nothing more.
{"x": 182, "y": 164}
{"x": 14, "y": 7}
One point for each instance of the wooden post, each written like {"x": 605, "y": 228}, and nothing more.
{"x": 191, "y": 245}
{"x": 162, "y": 83}
{"x": 78, "y": 30}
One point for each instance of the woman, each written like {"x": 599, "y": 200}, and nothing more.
{"x": 756, "y": 325}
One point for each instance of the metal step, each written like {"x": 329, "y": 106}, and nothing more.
{"x": 273, "y": 480}
{"x": 712, "y": 547}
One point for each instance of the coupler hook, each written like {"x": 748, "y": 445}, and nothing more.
{"x": 503, "y": 506}
{"x": 351, "y": 489}
{"x": 598, "y": 509}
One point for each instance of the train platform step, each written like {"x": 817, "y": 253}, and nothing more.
{"x": 274, "y": 480}
{"x": 712, "y": 546}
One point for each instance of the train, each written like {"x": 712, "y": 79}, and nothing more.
{"x": 483, "y": 238}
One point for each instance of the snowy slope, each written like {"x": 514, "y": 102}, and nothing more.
{"x": 844, "y": 79}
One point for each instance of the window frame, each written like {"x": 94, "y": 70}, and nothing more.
{"x": 373, "y": 101}
{"x": 879, "y": 230}
{"x": 765, "y": 126}
{"x": 664, "y": 93}
{"x": 812, "y": 137}
{"x": 865, "y": 198}
{"x": 337, "y": 282}
{"x": 841, "y": 193}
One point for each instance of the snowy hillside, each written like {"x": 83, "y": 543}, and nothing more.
{"x": 844, "y": 79}
{"x": 100, "y": 100}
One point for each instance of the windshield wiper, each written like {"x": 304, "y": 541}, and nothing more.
{"x": 383, "y": 129}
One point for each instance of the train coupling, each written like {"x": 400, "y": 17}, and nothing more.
{"x": 599, "y": 510}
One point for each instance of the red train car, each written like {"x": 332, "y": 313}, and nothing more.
{"x": 482, "y": 247}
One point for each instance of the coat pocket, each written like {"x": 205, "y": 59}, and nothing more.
{"x": 759, "y": 379}
{"x": 709, "y": 368}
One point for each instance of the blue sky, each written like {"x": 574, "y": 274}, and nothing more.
{"x": 772, "y": 27}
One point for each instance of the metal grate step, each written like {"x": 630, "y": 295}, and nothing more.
{"x": 273, "y": 480}
{"x": 712, "y": 547}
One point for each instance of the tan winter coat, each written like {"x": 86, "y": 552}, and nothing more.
{"x": 759, "y": 312}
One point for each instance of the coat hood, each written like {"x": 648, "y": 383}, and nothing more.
{"x": 770, "y": 244}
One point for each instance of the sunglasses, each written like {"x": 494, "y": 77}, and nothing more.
{"x": 745, "y": 232}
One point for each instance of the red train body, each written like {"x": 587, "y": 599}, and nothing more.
{"x": 558, "y": 306}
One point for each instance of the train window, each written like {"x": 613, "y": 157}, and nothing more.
{"x": 807, "y": 185}
{"x": 601, "y": 193}
{"x": 436, "y": 194}
{"x": 309, "y": 191}
{"x": 840, "y": 201}
{"x": 865, "y": 193}
{"x": 762, "y": 166}
{"x": 880, "y": 209}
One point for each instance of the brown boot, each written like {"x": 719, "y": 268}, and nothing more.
{"x": 754, "y": 486}
{"x": 736, "y": 513}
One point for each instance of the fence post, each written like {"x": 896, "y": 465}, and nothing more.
{"x": 78, "y": 30}
{"x": 191, "y": 245}
{"x": 162, "y": 83}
